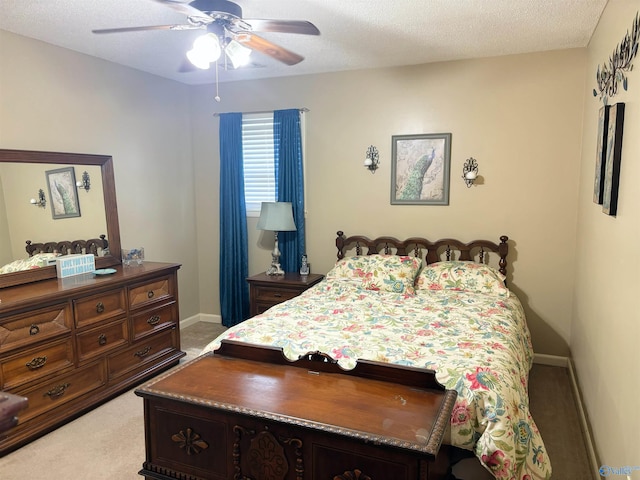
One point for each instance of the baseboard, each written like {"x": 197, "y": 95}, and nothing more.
{"x": 551, "y": 360}
{"x": 584, "y": 422}
{"x": 565, "y": 362}
{"x": 201, "y": 317}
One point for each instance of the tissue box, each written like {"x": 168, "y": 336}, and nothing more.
{"x": 70, "y": 265}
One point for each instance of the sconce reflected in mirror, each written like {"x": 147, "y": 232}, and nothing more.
{"x": 41, "y": 201}
{"x": 470, "y": 171}
{"x": 85, "y": 182}
{"x": 372, "y": 159}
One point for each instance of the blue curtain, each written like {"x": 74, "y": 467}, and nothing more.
{"x": 289, "y": 183}
{"x": 234, "y": 256}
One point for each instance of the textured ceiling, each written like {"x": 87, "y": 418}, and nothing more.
{"x": 355, "y": 34}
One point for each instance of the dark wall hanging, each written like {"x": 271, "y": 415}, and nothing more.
{"x": 613, "y": 159}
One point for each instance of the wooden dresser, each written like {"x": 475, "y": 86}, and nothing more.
{"x": 69, "y": 344}
{"x": 245, "y": 412}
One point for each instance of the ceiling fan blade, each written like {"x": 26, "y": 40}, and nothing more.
{"x": 261, "y": 45}
{"x": 184, "y": 8}
{"x": 284, "y": 26}
{"x": 150, "y": 27}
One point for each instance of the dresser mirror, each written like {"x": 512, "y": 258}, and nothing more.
{"x": 24, "y": 179}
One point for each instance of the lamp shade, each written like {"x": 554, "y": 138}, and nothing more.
{"x": 276, "y": 216}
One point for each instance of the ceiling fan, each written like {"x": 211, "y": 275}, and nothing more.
{"x": 228, "y": 32}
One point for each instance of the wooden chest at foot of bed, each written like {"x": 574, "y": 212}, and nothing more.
{"x": 246, "y": 412}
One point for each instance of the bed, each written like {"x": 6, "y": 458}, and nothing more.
{"x": 43, "y": 254}
{"x": 440, "y": 305}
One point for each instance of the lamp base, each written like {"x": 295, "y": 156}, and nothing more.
{"x": 275, "y": 268}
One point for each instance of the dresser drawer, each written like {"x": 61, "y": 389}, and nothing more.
{"x": 102, "y": 339}
{"x": 24, "y": 329}
{"x": 149, "y": 321}
{"x": 36, "y": 363}
{"x": 99, "y": 308}
{"x": 143, "y": 352}
{"x": 62, "y": 389}
{"x": 151, "y": 292}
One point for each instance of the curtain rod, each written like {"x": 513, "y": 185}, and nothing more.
{"x": 302, "y": 110}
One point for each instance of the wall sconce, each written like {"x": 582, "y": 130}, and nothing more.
{"x": 85, "y": 182}
{"x": 41, "y": 201}
{"x": 372, "y": 160}
{"x": 470, "y": 171}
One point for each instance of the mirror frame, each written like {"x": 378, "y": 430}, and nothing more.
{"x": 110, "y": 205}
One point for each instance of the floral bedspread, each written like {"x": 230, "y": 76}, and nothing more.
{"x": 478, "y": 345}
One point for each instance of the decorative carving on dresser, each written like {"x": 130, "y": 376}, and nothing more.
{"x": 352, "y": 475}
{"x": 190, "y": 441}
{"x": 266, "y": 458}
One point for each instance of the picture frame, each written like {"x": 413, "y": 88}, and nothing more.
{"x": 420, "y": 169}
{"x": 601, "y": 154}
{"x": 613, "y": 159}
{"x": 63, "y": 194}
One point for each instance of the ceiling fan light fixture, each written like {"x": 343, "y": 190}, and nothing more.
{"x": 206, "y": 50}
{"x": 237, "y": 53}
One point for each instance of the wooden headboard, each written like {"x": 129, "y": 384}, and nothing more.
{"x": 431, "y": 252}
{"x": 66, "y": 247}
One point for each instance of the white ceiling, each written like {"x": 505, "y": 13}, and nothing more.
{"x": 355, "y": 34}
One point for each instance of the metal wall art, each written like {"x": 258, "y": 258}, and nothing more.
{"x": 620, "y": 62}
{"x": 613, "y": 159}
{"x": 601, "y": 154}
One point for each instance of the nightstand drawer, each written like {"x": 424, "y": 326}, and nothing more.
{"x": 265, "y": 291}
{"x": 275, "y": 295}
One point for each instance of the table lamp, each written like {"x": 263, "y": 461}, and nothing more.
{"x": 277, "y": 217}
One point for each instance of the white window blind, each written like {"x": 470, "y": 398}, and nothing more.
{"x": 258, "y": 155}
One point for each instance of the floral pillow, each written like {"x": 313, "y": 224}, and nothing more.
{"x": 37, "y": 261}
{"x": 386, "y": 273}
{"x": 462, "y": 276}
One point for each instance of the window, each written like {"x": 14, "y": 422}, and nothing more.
{"x": 258, "y": 157}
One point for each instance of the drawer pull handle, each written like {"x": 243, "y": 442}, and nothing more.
{"x": 100, "y": 307}
{"x": 57, "y": 391}
{"x": 143, "y": 353}
{"x": 277, "y": 295}
{"x": 102, "y": 339}
{"x": 34, "y": 330}
{"x": 154, "y": 320}
{"x": 36, "y": 363}
{"x": 150, "y": 294}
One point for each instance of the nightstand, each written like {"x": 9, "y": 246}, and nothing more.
{"x": 265, "y": 291}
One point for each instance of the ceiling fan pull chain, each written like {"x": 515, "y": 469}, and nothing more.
{"x": 217, "y": 97}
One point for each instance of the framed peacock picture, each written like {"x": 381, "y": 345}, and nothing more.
{"x": 420, "y": 166}
{"x": 63, "y": 194}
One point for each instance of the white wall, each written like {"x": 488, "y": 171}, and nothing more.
{"x": 606, "y": 321}
{"x": 54, "y": 99}
{"x": 519, "y": 116}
